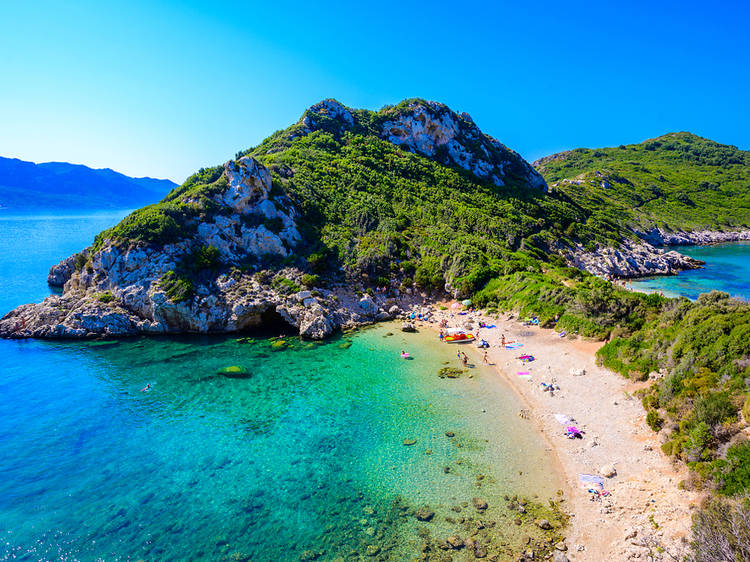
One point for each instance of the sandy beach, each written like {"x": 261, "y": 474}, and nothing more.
{"x": 646, "y": 516}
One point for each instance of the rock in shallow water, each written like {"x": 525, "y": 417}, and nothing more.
{"x": 234, "y": 372}
{"x": 479, "y": 504}
{"x": 424, "y": 514}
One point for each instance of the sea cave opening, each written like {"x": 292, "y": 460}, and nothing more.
{"x": 273, "y": 324}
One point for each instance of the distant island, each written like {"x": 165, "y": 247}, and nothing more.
{"x": 61, "y": 186}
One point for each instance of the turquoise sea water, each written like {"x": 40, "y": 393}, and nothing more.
{"x": 303, "y": 458}
{"x": 727, "y": 269}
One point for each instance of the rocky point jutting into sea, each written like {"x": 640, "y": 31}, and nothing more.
{"x": 198, "y": 261}
{"x": 118, "y": 291}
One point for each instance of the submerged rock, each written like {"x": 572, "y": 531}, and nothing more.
{"x": 454, "y": 542}
{"x": 424, "y": 514}
{"x": 479, "y": 504}
{"x": 278, "y": 345}
{"x": 450, "y": 373}
{"x": 543, "y": 524}
{"x": 409, "y": 442}
{"x": 234, "y": 372}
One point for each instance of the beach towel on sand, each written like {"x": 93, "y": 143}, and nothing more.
{"x": 587, "y": 480}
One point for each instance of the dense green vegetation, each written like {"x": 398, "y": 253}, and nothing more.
{"x": 582, "y": 303}
{"x": 178, "y": 287}
{"x": 703, "y": 351}
{"x": 678, "y": 181}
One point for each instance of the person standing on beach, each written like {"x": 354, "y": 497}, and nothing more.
{"x": 503, "y": 341}
{"x": 484, "y": 359}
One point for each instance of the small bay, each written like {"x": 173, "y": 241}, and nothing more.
{"x": 308, "y": 455}
{"x": 727, "y": 269}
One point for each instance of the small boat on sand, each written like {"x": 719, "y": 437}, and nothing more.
{"x": 459, "y": 338}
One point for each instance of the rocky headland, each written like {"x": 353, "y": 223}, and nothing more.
{"x": 630, "y": 259}
{"x": 120, "y": 289}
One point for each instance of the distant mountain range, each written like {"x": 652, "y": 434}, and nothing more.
{"x": 26, "y": 186}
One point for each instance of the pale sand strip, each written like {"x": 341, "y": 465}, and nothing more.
{"x": 646, "y": 507}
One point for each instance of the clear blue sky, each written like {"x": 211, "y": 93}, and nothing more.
{"x": 163, "y": 88}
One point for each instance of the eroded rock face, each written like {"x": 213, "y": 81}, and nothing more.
{"x": 330, "y": 109}
{"x": 60, "y": 273}
{"x": 228, "y": 303}
{"x": 433, "y": 130}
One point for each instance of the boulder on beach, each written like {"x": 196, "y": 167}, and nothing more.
{"x": 408, "y": 327}
{"x": 608, "y": 471}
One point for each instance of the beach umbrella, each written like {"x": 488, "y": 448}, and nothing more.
{"x": 467, "y": 302}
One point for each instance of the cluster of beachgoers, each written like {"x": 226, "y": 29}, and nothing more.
{"x": 623, "y": 494}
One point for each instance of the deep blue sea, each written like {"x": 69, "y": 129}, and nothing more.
{"x": 727, "y": 269}
{"x": 305, "y": 458}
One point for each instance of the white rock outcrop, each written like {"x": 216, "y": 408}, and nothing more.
{"x": 631, "y": 259}
{"x": 434, "y": 130}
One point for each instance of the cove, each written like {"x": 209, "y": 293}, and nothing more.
{"x": 303, "y": 459}
{"x": 727, "y": 269}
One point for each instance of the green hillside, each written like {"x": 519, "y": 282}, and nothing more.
{"x": 678, "y": 181}
{"x": 377, "y": 209}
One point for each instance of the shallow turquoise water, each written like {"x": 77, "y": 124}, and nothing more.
{"x": 305, "y": 455}
{"x": 727, "y": 269}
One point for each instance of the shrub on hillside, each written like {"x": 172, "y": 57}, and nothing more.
{"x": 721, "y": 531}
{"x": 309, "y": 280}
{"x": 733, "y": 474}
{"x": 177, "y": 287}
{"x": 654, "y": 420}
{"x": 206, "y": 257}
{"x": 714, "y": 408}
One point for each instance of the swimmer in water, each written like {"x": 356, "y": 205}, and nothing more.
{"x": 146, "y": 388}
